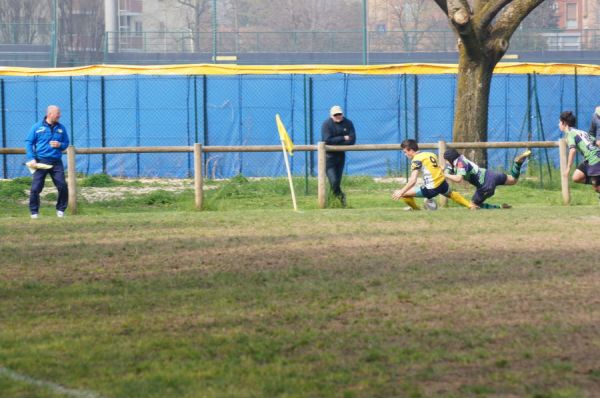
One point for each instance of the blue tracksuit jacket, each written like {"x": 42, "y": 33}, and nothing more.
{"x": 37, "y": 143}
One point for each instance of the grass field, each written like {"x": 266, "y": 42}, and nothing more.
{"x": 144, "y": 297}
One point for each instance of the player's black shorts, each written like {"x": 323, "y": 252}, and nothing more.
{"x": 443, "y": 189}
{"x": 591, "y": 172}
{"x": 487, "y": 190}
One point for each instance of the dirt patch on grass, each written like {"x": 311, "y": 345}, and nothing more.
{"x": 138, "y": 187}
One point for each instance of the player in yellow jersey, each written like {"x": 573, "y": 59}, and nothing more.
{"x": 434, "y": 182}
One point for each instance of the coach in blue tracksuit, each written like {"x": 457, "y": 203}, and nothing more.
{"x": 44, "y": 144}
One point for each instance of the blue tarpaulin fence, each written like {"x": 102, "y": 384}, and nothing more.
{"x": 173, "y": 110}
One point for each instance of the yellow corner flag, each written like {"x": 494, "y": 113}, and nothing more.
{"x": 285, "y": 138}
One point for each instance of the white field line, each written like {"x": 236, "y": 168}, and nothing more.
{"x": 55, "y": 388}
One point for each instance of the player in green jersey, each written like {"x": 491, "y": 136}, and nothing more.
{"x": 578, "y": 140}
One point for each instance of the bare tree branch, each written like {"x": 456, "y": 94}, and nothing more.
{"x": 478, "y": 4}
{"x": 443, "y": 5}
{"x": 484, "y": 16}
{"x": 411, "y": 19}
{"x": 512, "y": 16}
{"x": 459, "y": 12}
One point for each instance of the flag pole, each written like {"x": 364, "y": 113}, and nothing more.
{"x": 289, "y": 174}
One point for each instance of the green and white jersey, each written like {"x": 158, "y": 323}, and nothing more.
{"x": 474, "y": 174}
{"x": 584, "y": 143}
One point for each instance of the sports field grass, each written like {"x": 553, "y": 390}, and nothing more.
{"x": 148, "y": 298}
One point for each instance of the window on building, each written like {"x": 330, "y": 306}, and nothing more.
{"x": 124, "y": 23}
{"x": 138, "y": 27}
{"x": 571, "y": 15}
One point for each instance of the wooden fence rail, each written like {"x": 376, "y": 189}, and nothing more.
{"x": 321, "y": 149}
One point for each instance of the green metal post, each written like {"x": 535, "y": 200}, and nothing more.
{"x": 195, "y": 124}
{"x": 103, "y": 121}
{"x": 577, "y": 105}
{"x": 541, "y": 125}
{"x": 205, "y": 110}
{"x": 576, "y": 94}
{"x": 195, "y": 109}
{"x": 214, "y": 30}
{"x": 71, "y": 104}
{"x": 538, "y": 115}
{"x": 399, "y": 124}
{"x": 406, "y": 120}
{"x": 528, "y": 107}
{"x": 54, "y": 48}
{"x": 106, "y": 39}
{"x": 416, "y": 109}
{"x": 365, "y": 57}
{"x": 305, "y": 140}
{"x": 137, "y": 124}
{"x": 3, "y": 111}
{"x": 205, "y": 135}
{"x": 310, "y": 124}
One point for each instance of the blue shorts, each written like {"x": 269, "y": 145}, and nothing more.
{"x": 592, "y": 173}
{"x": 487, "y": 190}
{"x": 424, "y": 192}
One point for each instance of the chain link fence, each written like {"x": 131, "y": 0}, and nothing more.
{"x": 175, "y": 110}
{"x": 34, "y": 44}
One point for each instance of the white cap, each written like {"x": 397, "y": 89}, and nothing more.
{"x": 335, "y": 109}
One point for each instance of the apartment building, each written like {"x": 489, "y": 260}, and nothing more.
{"x": 149, "y": 26}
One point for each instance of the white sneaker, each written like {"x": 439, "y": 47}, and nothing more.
{"x": 60, "y": 214}
{"x": 35, "y": 216}
{"x": 430, "y": 204}
{"x": 408, "y": 208}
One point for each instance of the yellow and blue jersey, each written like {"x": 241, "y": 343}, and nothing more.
{"x": 427, "y": 162}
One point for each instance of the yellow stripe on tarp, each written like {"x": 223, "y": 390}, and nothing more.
{"x": 228, "y": 69}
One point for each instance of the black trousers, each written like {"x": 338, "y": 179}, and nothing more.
{"x": 57, "y": 173}
{"x": 334, "y": 167}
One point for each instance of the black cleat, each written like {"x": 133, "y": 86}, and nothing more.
{"x": 343, "y": 199}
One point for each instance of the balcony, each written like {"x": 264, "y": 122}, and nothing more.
{"x": 130, "y": 7}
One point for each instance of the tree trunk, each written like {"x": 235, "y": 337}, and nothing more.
{"x": 472, "y": 98}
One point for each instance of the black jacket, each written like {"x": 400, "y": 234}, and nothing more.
{"x": 333, "y": 133}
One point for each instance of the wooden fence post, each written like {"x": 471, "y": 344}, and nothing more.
{"x": 442, "y": 163}
{"x": 72, "y": 179}
{"x": 564, "y": 176}
{"x": 198, "y": 189}
{"x": 321, "y": 156}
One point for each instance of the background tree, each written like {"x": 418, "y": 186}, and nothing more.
{"x": 413, "y": 20}
{"x": 286, "y": 16}
{"x": 80, "y": 31}
{"x": 198, "y": 19}
{"x": 484, "y": 29}
{"x": 543, "y": 17}
{"x": 25, "y": 21}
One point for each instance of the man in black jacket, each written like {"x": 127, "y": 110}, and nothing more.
{"x": 337, "y": 130}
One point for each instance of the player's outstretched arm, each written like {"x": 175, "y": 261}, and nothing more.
{"x": 454, "y": 177}
{"x": 572, "y": 152}
{"x": 407, "y": 189}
